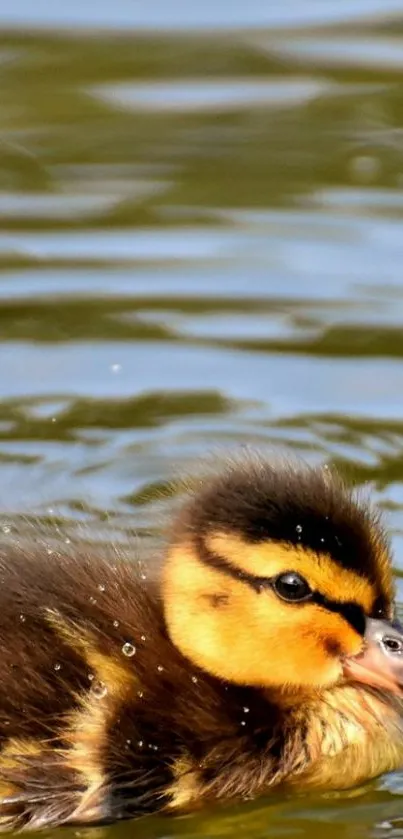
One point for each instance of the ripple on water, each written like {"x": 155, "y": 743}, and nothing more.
{"x": 201, "y": 248}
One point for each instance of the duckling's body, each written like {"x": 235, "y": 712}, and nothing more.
{"x": 121, "y": 697}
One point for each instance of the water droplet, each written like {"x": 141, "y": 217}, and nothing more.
{"x": 194, "y": 680}
{"x": 246, "y": 710}
{"x": 299, "y": 528}
{"x": 143, "y": 637}
{"x": 99, "y": 690}
{"x": 57, "y": 666}
{"x": 128, "y": 649}
{"x": 22, "y": 618}
{"x": 116, "y": 624}
{"x": 101, "y": 587}
{"x": 160, "y": 668}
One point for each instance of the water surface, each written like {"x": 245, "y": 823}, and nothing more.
{"x": 201, "y": 247}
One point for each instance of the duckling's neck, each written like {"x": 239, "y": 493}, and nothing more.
{"x": 332, "y": 741}
{"x": 342, "y": 737}
{"x": 225, "y": 740}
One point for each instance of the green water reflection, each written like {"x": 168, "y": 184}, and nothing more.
{"x": 201, "y": 247}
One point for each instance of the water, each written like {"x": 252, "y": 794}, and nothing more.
{"x": 201, "y": 246}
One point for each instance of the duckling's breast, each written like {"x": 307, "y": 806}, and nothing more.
{"x": 352, "y": 735}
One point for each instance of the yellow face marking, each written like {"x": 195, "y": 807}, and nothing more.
{"x": 267, "y": 559}
{"x": 231, "y": 631}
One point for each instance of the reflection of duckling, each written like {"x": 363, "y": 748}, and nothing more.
{"x": 238, "y": 674}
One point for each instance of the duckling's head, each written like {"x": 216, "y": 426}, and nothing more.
{"x": 278, "y": 577}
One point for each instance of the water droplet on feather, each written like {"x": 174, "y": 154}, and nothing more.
{"x": 99, "y": 690}
{"x": 128, "y": 649}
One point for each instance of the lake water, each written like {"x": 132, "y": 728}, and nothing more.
{"x": 201, "y": 247}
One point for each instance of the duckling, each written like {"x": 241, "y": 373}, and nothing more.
{"x": 265, "y": 656}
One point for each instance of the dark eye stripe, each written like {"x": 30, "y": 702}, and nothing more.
{"x": 257, "y": 583}
{"x": 351, "y": 612}
{"x": 220, "y": 564}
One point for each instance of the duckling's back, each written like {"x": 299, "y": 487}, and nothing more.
{"x": 100, "y": 716}
{"x": 78, "y": 634}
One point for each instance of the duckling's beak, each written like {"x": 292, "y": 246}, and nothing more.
{"x": 381, "y": 662}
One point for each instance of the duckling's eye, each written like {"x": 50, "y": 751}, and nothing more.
{"x": 292, "y": 587}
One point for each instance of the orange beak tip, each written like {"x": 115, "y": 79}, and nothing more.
{"x": 372, "y": 669}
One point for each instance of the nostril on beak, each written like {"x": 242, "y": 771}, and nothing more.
{"x": 380, "y": 664}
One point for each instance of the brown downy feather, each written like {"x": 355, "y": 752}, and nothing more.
{"x": 84, "y": 718}
{"x": 102, "y": 717}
